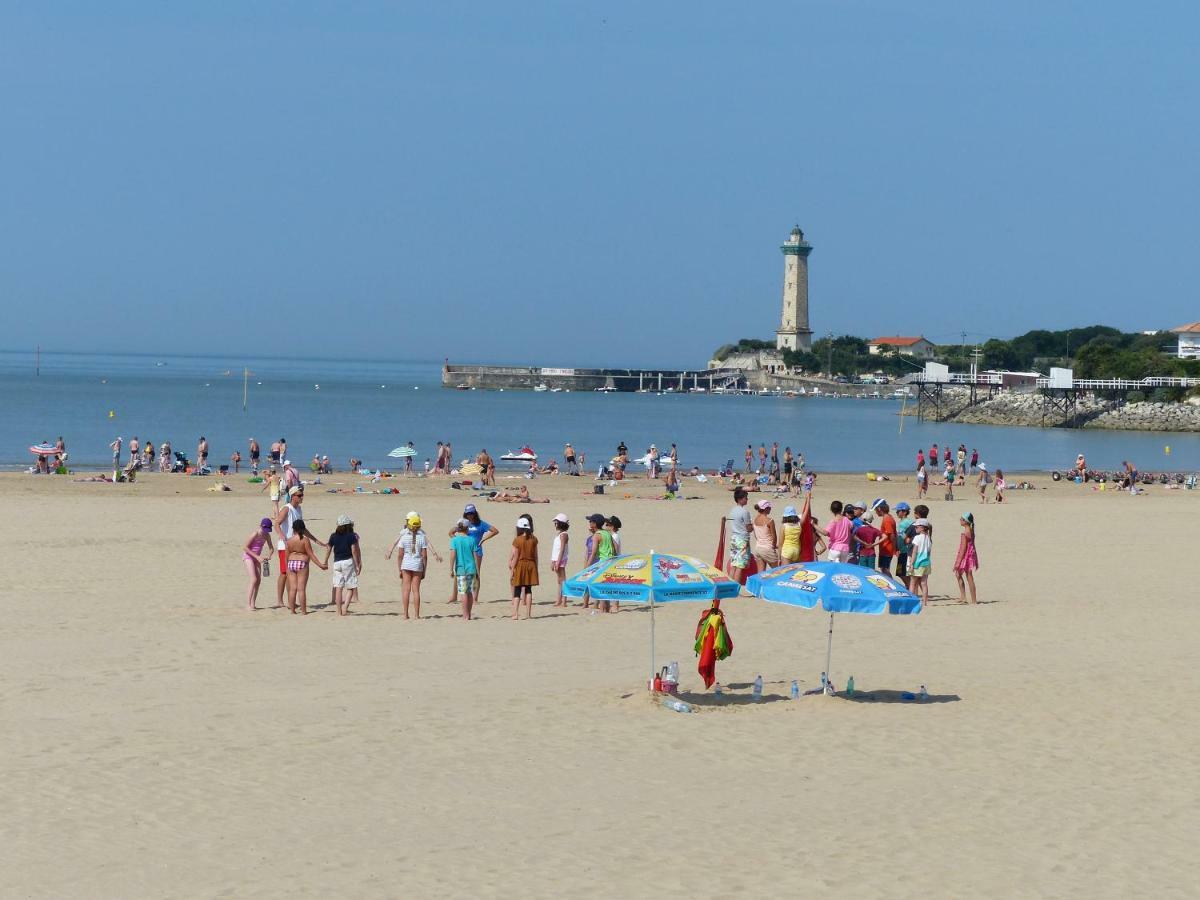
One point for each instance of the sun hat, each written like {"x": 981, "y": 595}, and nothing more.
{"x": 344, "y": 519}
{"x": 463, "y": 523}
{"x": 413, "y": 519}
{"x": 287, "y": 462}
{"x": 921, "y": 522}
{"x": 412, "y": 512}
{"x": 469, "y": 508}
{"x": 861, "y": 504}
{"x": 902, "y": 506}
{"x": 875, "y": 503}
{"x": 790, "y": 511}
{"x": 266, "y": 524}
{"x": 292, "y": 492}
{"x": 983, "y": 467}
{"x": 524, "y": 522}
{"x": 562, "y": 517}
{"x": 764, "y": 505}
{"x": 868, "y": 517}
{"x": 596, "y": 519}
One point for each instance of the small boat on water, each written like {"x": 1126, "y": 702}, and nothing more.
{"x": 607, "y": 389}
{"x": 541, "y": 387}
{"x": 525, "y": 454}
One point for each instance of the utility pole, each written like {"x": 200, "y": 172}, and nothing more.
{"x": 829, "y": 354}
{"x": 964, "y": 344}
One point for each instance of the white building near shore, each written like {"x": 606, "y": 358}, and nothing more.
{"x": 1188, "y": 340}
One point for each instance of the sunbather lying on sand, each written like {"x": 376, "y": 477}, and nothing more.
{"x": 518, "y": 495}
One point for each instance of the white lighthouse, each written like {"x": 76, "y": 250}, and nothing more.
{"x": 794, "y": 333}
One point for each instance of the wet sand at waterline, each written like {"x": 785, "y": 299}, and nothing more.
{"x": 160, "y": 740}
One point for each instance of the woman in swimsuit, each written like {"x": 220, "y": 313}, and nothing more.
{"x": 253, "y": 558}
{"x": 299, "y": 554}
{"x": 766, "y": 538}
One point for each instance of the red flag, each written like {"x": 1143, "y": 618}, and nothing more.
{"x": 721, "y": 562}
{"x": 808, "y": 537}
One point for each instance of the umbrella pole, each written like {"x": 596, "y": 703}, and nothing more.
{"x": 828, "y": 657}
{"x": 652, "y": 669}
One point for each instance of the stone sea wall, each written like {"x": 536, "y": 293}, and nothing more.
{"x": 1026, "y": 409}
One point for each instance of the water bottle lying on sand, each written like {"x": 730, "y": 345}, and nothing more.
{"x": 677, "y": 705}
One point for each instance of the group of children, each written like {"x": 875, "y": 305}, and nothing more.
{"x": 466, "y": 555}
{"x": 854, "y": 538}
{"x": 955, "y": 474}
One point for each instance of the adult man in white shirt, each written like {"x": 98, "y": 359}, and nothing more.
{"x": 740, "y": 526}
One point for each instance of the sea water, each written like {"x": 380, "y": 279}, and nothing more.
{"x": 364, "y": 408}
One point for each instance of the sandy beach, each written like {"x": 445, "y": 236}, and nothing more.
{"x": 161, "y": 741}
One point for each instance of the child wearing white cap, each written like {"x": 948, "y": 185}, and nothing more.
{"x": 559, "y": 552}
{"x": 347, "y": 564}
{"x": 523, "y": 568}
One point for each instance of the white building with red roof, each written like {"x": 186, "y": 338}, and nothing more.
{"x": 905, "y": 346}
{"x": 1188, "y": 336}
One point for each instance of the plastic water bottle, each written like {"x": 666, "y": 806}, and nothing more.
{"x": 923, "y": 694}
{"x": 717, "y": 689}
{"x": 677, "y": 705}
{"x": 850, "y": 687}
{"x": 795, "y": 689}
{"x": 266, "y": 568}
{"x": 758, "y": 688}
{"x": 907, "y": 695}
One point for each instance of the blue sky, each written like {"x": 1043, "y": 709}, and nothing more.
{"x": 603, "y": 183}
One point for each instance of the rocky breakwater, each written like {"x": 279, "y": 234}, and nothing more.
{"x": 1027, "y": 409}
{"x": 1150, "y": 417}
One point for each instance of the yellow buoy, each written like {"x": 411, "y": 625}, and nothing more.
{"x": 1167, "y": 449}
{"x": 111, "y": 414}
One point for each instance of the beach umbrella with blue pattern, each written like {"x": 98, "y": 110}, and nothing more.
{"x": 651, "y": 578}
{"x": 837, "y": 588}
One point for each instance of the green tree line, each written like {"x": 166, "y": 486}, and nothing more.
{"x": 1096, "y": 351}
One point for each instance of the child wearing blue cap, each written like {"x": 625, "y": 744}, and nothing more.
{"x": 903, "y": 523}
{"x": 789, "y": 540}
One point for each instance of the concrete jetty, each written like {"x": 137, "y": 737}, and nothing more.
{"x": 532, "y": 378}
